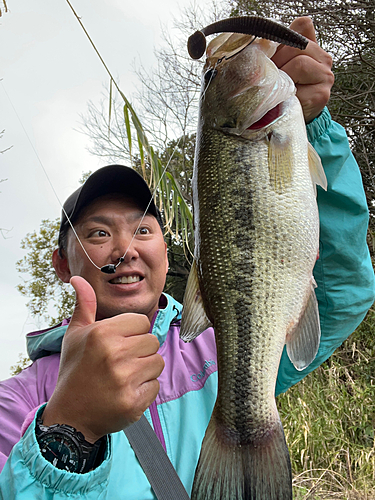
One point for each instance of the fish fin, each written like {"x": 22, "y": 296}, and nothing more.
{"x": 303, "y": 342}
{"x": 316, "y": 168}
{"x": 280, "y": 165}
{"x": 251, "y": 471}
{"x": 194, "y": 318}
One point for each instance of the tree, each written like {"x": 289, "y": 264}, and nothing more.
{"x": 162, "y": 184}
{"x": 22, "y": 363}
{"x": 180, "y": 155}
{"x": 44, "y": 287}
{"x": 167, "y": 99}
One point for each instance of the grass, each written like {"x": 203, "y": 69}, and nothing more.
{"x": 329, "y": 421}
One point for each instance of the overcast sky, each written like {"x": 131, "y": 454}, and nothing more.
{"x": 50, "y": 72}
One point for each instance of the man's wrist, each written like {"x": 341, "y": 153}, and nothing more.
{"x": 53, "y": 414}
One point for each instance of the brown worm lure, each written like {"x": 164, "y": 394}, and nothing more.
{"x": 249, "y": 25}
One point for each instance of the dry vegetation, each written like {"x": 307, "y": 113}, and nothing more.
{"x": 329, "y": 420}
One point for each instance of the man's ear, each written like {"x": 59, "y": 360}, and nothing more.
{"x": 61, "y": 266}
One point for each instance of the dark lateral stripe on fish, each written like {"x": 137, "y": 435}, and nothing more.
{"x": 243, "y": 232}
{"x": 267, "y": 118}
{"x": 250, "y": 25}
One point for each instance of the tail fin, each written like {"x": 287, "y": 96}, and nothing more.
{"x": 255, "y": 471}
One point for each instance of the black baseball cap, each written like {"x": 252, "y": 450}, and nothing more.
{"x": 113, "y": 179}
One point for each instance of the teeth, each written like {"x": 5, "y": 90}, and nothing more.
{"x": 125, "y": 279}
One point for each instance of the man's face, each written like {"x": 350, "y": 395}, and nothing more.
{"x": 106, "y": 228}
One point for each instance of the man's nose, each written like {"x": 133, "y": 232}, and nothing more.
{"x": 124, "y": 247}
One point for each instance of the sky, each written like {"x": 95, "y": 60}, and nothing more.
{"x": 48, "y": 73}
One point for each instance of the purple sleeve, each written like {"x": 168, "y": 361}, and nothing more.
{"x": 21, "y": 394}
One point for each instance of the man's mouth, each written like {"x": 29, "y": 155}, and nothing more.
{"x": 126, "y": 280}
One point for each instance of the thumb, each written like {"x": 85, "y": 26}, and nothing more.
{"x": 304, "y": 26}
{"x": 85, "y": 308}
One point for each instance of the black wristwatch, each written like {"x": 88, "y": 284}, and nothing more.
{"x": 67, "y": 448}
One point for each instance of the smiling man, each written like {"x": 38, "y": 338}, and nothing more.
{"x": 120, "y": 355}
{"x": 110, "y": 229}
{"x": 107, "y": 226}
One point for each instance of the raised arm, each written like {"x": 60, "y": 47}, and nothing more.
{"x": 344, "y": 272}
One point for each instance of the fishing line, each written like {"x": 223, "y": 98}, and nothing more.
{"x": 109, "y": 268}
{"x": 213, "y": 74}
{"x": 46, "y": 174}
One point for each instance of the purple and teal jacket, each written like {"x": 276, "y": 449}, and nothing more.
{"x": 188, "y": 383}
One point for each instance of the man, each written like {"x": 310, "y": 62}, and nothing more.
{"x": 121, "y": 355}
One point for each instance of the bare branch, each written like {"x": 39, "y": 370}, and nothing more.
{"x": 4, "y": 9}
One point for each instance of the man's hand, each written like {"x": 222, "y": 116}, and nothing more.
{"x": 310, "y": 69}
{"x": 108, "y": 370}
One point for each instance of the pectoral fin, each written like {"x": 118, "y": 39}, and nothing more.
{"x": 194, "y": 318}
{"x": 280, "y": 161}
{"x": 316, "y": 168}
{"x": 302, "y": 342}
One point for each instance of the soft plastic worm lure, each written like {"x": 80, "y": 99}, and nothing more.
{"x": 249, "y": 25}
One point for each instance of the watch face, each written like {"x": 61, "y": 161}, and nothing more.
{"x": 61, "y": 451}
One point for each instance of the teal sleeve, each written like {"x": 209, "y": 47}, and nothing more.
{"x": 343, "y": 272}
{"x": 27, "y": 475}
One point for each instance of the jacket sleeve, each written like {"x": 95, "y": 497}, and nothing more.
{"x": 343, "y": 272}
{"x": 26, "y": 474}
{"x": 21, "y": 394}
{"x": 17, "y": 398}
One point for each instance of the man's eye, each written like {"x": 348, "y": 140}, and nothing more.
{"x": 143, "y": 230}
{"x": 100, "y": 233}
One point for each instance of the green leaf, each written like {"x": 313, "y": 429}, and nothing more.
{"x": 128, "y": 131}
{"x": 110, "y": 108}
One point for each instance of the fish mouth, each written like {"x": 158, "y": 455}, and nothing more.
{"x": 126, "y": 280}
{"x": 271, "y": 116}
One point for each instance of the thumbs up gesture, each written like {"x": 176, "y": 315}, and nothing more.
{"x": 108, "y": 369}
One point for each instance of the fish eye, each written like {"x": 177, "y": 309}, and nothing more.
{"x": 210, "y": 75}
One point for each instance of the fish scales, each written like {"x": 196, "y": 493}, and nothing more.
{"x": 257, "y": 230}
{"x": 245, "y": 283}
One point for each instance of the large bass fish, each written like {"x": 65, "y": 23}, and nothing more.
{"x": 256, "y": 243}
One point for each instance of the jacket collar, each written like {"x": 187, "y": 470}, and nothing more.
{"x": 45, "y": 342}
